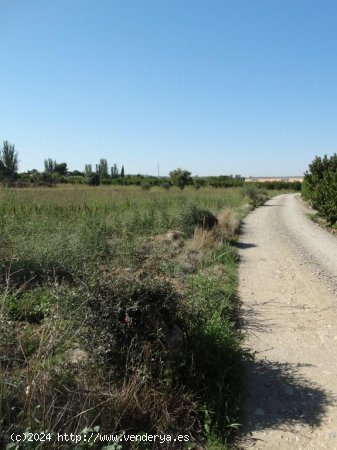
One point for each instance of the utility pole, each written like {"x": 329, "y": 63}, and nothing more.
{"x": 158, "y": 169}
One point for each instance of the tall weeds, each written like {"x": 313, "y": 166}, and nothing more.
{"x": 109, "y": 319}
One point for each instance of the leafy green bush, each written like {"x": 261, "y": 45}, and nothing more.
{"x": 256, "y": 196}
{"x": 320, "y": 186}
{"x": 325, "y": 197}
{"x": 94, "y": 180}
{"x": 181, "y": 178}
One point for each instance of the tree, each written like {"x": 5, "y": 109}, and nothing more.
{"x": 76, "y": 173}
{"x": 8, "y": 161}
{"x": 326, "y": 197}
{"x": 61, "y": 168}
{"x": 34, "y": 176}
{"x": 319, "y": 186}
{"x": 88, "y": 170}
{"x": 181, "y": 177}
{"x": 317, "y": 171}
{"x": 199, "y": 182}
{"x": 122, "y": 172}
{"x": 102, "y": 168}
{"x": 49, "y": 165}
{"x": 114, "y": 171}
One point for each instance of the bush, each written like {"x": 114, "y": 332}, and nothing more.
{"x": 181, "y": 178}
{"x": 193, "y": 217}
{"x": 255, "y": 195}
{"x": 94, "y": 180}
{"x": 320, "y": 187}
{"x": 325, "y": 197}
{"x": 166, "y": 185}
{"x": 145, "y": 186}
{"x": 132, "y": 324}
{"x": 279, "y": 185}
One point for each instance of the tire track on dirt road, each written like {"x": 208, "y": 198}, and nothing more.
{"x": 288, "y": 288}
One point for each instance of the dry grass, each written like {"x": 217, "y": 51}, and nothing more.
{"x": 226, "y": 228}
{"x": 76, "y": 393}
{"x": 205, "y": 241}
{"x": 228, "y": 223}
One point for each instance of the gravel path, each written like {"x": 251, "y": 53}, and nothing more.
{"x": 288, "y": 287}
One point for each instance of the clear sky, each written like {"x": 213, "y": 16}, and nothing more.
{"x": 212, "y": 86}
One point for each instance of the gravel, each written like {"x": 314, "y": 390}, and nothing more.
{"x": 288, "y": 275}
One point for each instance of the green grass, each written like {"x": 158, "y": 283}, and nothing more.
{"x": 107, "y": 321}
{"x": 216, "y": 340}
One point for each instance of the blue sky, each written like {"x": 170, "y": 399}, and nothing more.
{"x": 212, "y": 86}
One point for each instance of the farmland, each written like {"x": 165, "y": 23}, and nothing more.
{"x": 118, "y": 312}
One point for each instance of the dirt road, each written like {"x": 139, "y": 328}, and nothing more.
{"x": 288, "y": 286}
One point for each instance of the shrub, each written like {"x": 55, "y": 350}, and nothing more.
{"x": 145, "y": 186}
{"x": 199, "y": 182}
{"x": 320, "y": 186}
{"x": 166, "y": 185}
{"x": 133, "y": 325}
{"x": 193, "y": 216}
{"x": 94, "y": 180}
{"x": 181, "y": 178}
{"x": 325, "y": 196}
{"x": 255, "y": 195}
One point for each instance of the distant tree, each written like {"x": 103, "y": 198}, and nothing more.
{"x": 181, "y": 177}
{"x": 53, "y": 167}
{"x": 114, "y": 171}
{"x": 34, "y": 175}
{"x": 61, "y": 168}
{"x": 76, "y": 173}
{"x": 88, "y": 170}
{"x": 199, "y": 182}
{"x": 122, "y": 172}
{"x": 49, "y": 165}
{"x": 102, "y": 168}
{"x": 8, "y": 161}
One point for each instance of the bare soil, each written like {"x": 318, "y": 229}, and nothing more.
{"x": 288, "y": 288}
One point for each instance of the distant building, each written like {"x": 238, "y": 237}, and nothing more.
{"x": 266, "y": 179}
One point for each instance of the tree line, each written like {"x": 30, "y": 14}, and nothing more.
{"x": 55, "y": 172}
{"x": 58, "y": 172}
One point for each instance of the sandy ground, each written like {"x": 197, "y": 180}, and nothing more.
{"x": 288, "y": 287}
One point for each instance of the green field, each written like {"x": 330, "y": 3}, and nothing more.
{"x": 116, "y": 315}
